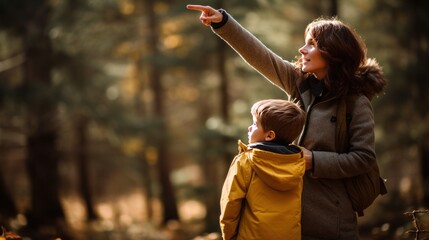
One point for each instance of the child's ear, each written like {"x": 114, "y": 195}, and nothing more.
{"x": 271, "y": 135}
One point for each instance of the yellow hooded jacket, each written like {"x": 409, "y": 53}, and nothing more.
{"x": 261, "y": 195}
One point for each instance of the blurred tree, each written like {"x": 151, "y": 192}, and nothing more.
{"x": 42, "y": 155}
{"x": 334, "y": 8}
{"x": 7, "y": 206}
{"x": 8, "y": 209}
{"x": 142, "y": 111}
{"x": 160, "y": 141}
{"x": 418, "y": 44}
{"x": 30, "y": 21}
{"x": 412, "y": 28}
{"x": 74, "y": 68}
{"x": 81, "y": 128}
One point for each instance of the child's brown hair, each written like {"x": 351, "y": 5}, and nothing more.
{"x": 284, "y": 117}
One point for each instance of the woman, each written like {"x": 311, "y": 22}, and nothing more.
{"x": 332, "y": 66}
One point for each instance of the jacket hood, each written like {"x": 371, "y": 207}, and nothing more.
{"x": 279, "y": 171}
{"x": 370, "y": 79}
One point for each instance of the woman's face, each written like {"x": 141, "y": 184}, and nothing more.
{"x": 312, "y": 60}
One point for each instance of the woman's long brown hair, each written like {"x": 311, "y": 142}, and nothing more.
{"x": 343, "y": 50}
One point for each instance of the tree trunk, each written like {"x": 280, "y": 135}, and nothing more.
{"x": 417, "y": 43}
{"x": 334, "y": 8}
{"x": 147, "y": 179}
{"x": 424, "y": 161}
{"x": 42, "y": 166}
{"x": 139, "y": 105}
{"x": 42, "y": 156}
{"x": 82, "y": 160}
{"x": 7, "y": 206}
{"x": 168, "y": 198}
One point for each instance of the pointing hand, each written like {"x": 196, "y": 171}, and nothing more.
{"x": 208, "y": 16}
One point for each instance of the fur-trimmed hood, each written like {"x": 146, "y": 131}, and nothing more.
{"x": 370, "y": 79}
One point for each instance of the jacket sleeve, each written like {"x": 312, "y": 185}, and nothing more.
{"x": 233, "y": 194}
{"x": 361, "y": 155}
{"x": 280, "y": 72}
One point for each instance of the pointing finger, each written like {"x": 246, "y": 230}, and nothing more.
{"x": 206, "y": 9}
{"x": 197, "y": 7}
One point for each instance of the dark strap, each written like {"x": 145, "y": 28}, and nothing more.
{"x": 345, "y": 106}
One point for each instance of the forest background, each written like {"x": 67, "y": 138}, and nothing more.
{"x": 119, "y": 118}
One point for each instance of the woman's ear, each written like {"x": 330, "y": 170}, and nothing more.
{"x": 270, "y": 135}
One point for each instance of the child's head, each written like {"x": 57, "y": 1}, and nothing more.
{"x": 276, "y": 120}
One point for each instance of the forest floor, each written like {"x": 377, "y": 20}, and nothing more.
{"x": 174, "y": 230}
{"x": 108, "y": 230}
{"x": 144, "y": 231}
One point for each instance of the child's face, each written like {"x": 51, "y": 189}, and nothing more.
{"x": 256, "y": 132}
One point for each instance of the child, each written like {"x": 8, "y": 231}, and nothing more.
{"x": 261, "y": 195}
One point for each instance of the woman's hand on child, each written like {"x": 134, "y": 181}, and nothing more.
{"x": 308, "y": 156}
{"x": 208, "y": 16}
